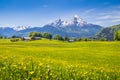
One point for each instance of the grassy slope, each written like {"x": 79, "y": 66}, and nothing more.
{"x": 79, "y": 52}
{"x": 87, "y": 55}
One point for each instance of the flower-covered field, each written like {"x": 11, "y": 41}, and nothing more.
{"x": 55, "y": 60}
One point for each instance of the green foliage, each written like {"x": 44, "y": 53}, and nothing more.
{"x": 1, "y": 37}
{"x": 14, "y": 39}
{"x": 65, "y": 38}
{"x": 108, "y": 32}
{"x": 14, "y": 36}
{"x": 117, "y": 35}
{"x": 5, "y": 37}
{"x": 58, "y": 37}
{"x": 84, "y": 39}
{"x": 35, "y": 34}
{"x": 80, "y": 39}
{"x": 47, "y": 35}
{"x": 103, "y": 39}
{"x": 27, "y": 69}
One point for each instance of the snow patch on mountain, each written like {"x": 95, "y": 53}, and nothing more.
{"x": 18, "y": 28}
{"x": 76, "y": 21}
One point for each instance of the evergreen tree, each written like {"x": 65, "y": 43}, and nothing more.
{"x": 35, "y": 34}
{"x": 1, "y": 37}
{"x": 13, "y": 36}
{"x": 5, "y": 37}
{"x": 58, "y": 37}
{"x": 65, "y": 38}
{"x": 117, "y": 35}
{"x": 47, "y": 35}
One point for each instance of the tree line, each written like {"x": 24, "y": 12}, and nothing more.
{"x": 65, "y": 38}
{"x": 62, "y": 38}
{"x": 48, "y": 36}
{"x": 117, "y": 35}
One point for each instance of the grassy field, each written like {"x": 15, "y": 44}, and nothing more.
{"x": 56, "y": 60}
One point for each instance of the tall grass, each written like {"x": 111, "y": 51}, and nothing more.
{"x": 55, "y": 60}
{"x": 12, "y": 68}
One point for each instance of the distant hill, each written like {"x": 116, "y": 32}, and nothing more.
{"x": 18, "y": 28}
{"x": 7, "y": 31}
{"x": 108, "y": 33}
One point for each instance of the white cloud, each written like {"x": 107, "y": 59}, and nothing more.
{"x": 105, "y": 17}
{"x": 116, "y": 20}
{"x": 98, "y": 22}
{"x": 116, "y": 17}
{"x": 89, "y": 10}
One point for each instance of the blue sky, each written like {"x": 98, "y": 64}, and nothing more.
{"x": 40, "y": 12}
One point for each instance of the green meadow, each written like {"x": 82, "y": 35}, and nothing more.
{"x": 57, "y": 60}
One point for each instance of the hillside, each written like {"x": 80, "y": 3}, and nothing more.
{"x": 108, "y": 33}
{"x": 7, "y": 31}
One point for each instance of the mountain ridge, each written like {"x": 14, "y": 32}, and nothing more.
{"x": 108, "y": 32}
{"x": 18, "y": 28}
{"x": 76, "y": 27}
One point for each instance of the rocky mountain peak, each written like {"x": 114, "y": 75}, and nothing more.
{"x": 58, "y": 23}
{"x": 77, "y": 21}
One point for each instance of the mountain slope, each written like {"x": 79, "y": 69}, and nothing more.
{"x": 7, "y": 31}
{"x": 108, "y": 32}
{"x": 73, "y": 28}
{"x": 18, "y": 28}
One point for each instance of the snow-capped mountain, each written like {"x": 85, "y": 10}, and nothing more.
{"x": 76, "y": 27}
{"x": 76, "y": 21}
{"x": 7, "y": 31}
{"x": 18, "y": 28}
{"x": 57, "y": 23}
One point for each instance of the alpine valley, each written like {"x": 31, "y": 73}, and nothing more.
{"x": 75, "y": 27}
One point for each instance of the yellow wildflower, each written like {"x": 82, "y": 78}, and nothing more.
{"x": 24, "y": 67}
{"x": 31, "y": 72}
{"x": 14, "y": 65}
{"x": 3, "y": 68}
{"x": 40, "y": 64}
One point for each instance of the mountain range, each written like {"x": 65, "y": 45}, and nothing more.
{"x": 75, "y": 27}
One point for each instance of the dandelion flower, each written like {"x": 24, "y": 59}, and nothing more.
{"x": 31, "y": 72}
{"x": 24, "y": 67}
{"x": 3, "y": 68}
